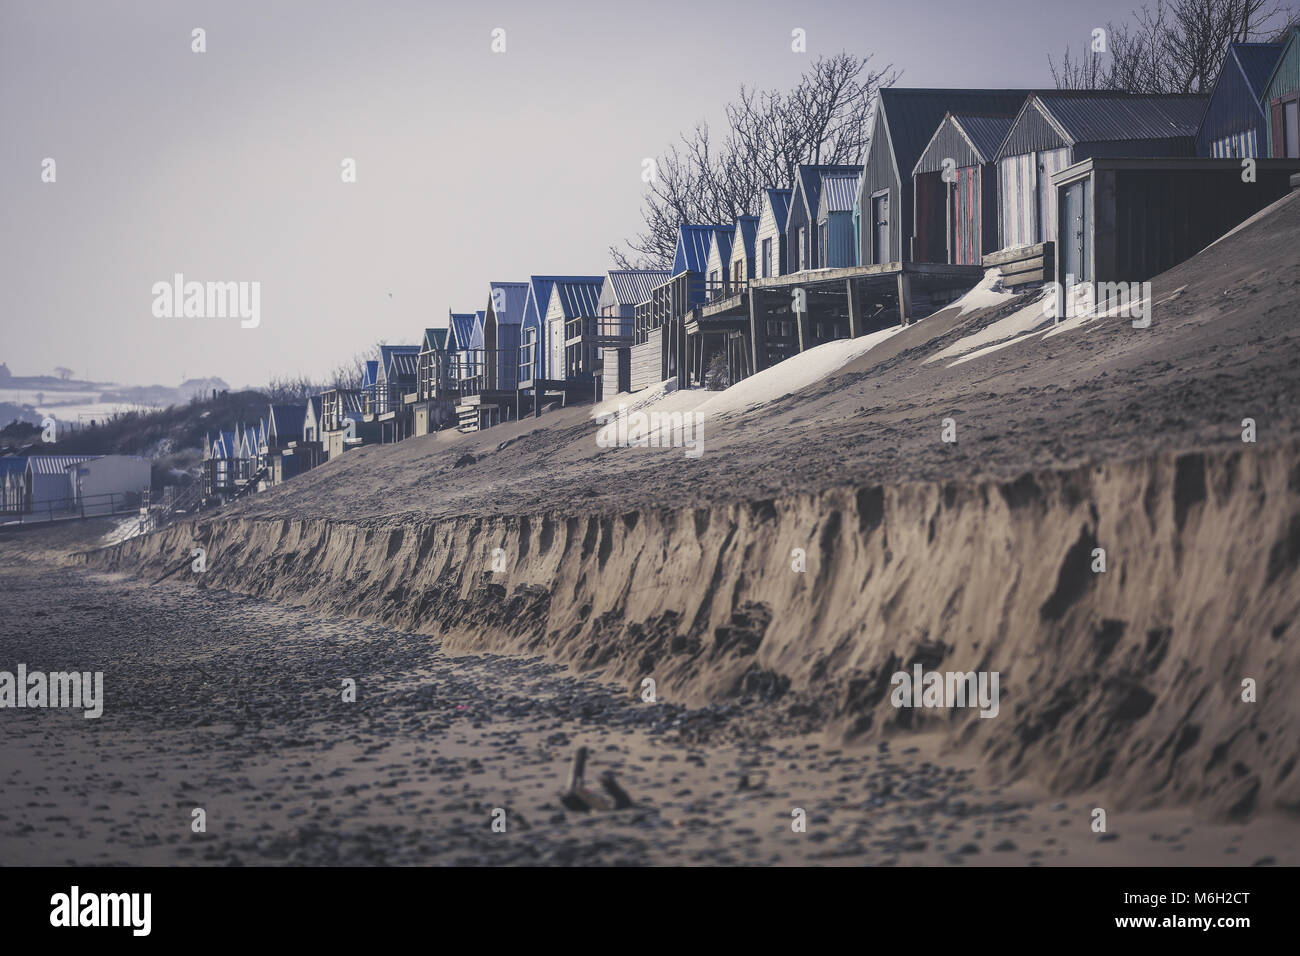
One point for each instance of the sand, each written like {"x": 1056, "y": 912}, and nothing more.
{"x": 232, "y": 705}
{"x": 625, "y": 563}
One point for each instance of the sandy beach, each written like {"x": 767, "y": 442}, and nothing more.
{"x": 233, "y": 704}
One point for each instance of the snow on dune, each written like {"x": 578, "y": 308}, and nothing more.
{"x": 795, "y": 373}
{"x": 1019, "y": 323}
{"x": 989, "y": 294}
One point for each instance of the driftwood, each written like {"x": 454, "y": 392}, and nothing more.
{"x": 578, "y": 797}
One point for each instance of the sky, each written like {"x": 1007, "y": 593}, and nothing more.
{"x": 471, "y": 165}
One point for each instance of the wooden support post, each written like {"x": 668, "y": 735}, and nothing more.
{"x": 757, "y": 330}
{"x": 802, "y": 322}
{"x": 904, "y": 298}
{"x": 855, "y": 309}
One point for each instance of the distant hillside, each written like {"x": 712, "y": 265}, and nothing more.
{"x": 154, "y": 434}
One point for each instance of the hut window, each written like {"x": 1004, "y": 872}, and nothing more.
{"x": 767, "y": 257}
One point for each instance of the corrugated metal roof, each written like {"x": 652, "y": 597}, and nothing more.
{"x": 1291, "y": 39}
{"x": 632, "y": 286}
{"x": 779, "y": 200}
{"x": 746, "y": 227}
{"x": 403, "y": 365}
{"x": 693, "y": 245}
{"x": 1256, "y": 62}
{"x": 984, "y": 133}
{"x": 371, "y": 373}
{"x": 56, "y": 464}
{"x": 386, "y": 353}
{"x": 462, "y": 327}
{"x": 722, "y": 241}
{"x": 809, "y": 180}
{"x": 435, "y": 340}
{"x": 912, "y": 115}
{"x": 512, "y": 296}
{"x": 12, "y": 464}
{"x": 578, "y": 297}
{"x": 288, "y": 419}
{"x": 840, "y": 191}
{"x": 1092, "y": 119}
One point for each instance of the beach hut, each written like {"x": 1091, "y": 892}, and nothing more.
{"x": 744, "y": 251}
{"x": 342, "y": 422}
{"x": 13, "y": 483}
{"x": 47, "y": 484}
{"x": 434, "y": 402}
{"x": 802, "y": 251}
{"x": 1056, "y": 130}
{"x": 621, "y": 291}
{"x": 717, "y": 268}
{"x": 396, "y": 379}
{"x": 1235, "y": 122}
{"x": 1282, "y": 97}
{"x": 502, "y": 323}
{"x": 769, "y": 237}
{"x": 460, "y": 333}
{"x": 284, "y": 427}
{"x": 836, "y": 244}
{"x": 903, "y": 122}
{"x": 962, "y": 149}
{"x": 1123, "y": 220}
{"x": 571, "y": 333}
{"x": 108, "y": 484}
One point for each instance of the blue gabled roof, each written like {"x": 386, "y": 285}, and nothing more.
{"x": 779, "y": 200}
{"x": 1256, "y": 62}
{"x": 512, "y": 296}
{"x": 693, "y": 244}
{"x": 288, "y": 419}
{"x": 723, "y": 239}
{"x": 434, "y": 340}
{"x": 386, "y": 353}
{"x": 462, "y": 330}
{"x": 746, "y": 227}
{"x": 578, "y": 296}
{"x": 476, "y": 336}
{"x": 371, "y": 373}
{"x": 12, "y": 464}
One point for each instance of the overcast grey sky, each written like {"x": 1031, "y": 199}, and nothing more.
{"x": 471, "y": 165}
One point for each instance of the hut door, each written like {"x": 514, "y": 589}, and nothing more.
{"x": 1074, "y": 231}
{"x": 1291, "y": 120}
{"x": 1049, "y": 161}
{"x": 555, "y": 361}
{"x": 880, "y": 220}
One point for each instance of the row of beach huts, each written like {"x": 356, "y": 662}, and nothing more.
{"x": 1089, "y": 186}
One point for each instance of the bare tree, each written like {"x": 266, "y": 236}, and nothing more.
{"x": 825, "y": 118}
{"x": 1176, "y": 47}
{"x": 290, "y": 389}
{"x": 63, "y": 372}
